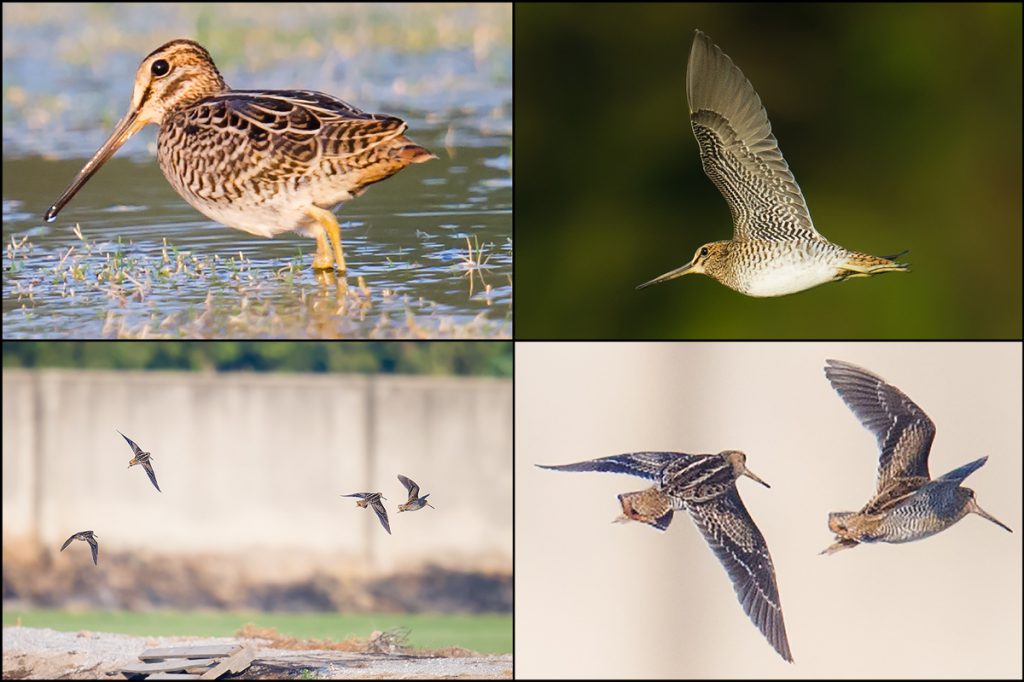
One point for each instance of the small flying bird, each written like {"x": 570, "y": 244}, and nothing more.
{"x": 705, "y": 486}
{"x": 415, "y": 501}
{"x": 775, "y": 249}
{"x": 908, "y": 505}
{"x": 87, "y": 536}
{"x": 143, "y": 459}
{"x": 374, "y": 500}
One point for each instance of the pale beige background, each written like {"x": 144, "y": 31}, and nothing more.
{"x": 596, "y": 599}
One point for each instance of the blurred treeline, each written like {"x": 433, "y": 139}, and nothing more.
{"x": 364, "y": 357}
{"x": 901, "y": 123}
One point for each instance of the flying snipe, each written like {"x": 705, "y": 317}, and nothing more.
{"x": 908, "y": 505}
{"x": 705, "y": 486}
{"x": 85, "y": 536}
{"x": 415, "y": 501}
{"x": 142, "y": 458}
{"x": 374, "y": 501}
{"x": 261, "y": 161}
{"x": 775, "y": 249}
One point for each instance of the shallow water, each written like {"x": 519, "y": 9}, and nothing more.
{"x": 406, "y": 238}
{"x": 429, "y": 251}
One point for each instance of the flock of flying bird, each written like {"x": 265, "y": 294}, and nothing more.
{"x": 373, "y": 499}
{"x": 907, "y": 505}
{"x": 412, "y": 504}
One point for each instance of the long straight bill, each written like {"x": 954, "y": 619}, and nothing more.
{"x": 128, "y": 126}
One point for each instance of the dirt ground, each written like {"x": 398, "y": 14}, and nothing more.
{"x": 38, "y": 653}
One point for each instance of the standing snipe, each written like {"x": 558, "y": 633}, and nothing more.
{"x": 705, "y": 486}
{"x": 775, "y": 249}
{"x": 264, "y": 162}
{"x": 908, "y": 505}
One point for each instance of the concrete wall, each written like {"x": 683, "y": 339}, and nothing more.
{"x": 253, "y": 462}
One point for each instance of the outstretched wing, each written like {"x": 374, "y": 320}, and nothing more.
{"x": 647, "y": 465}
{"x": 152, "y": 476}
{"x": 740, "y": 547}
{"x": 414, "y": 490}
{"x": 904, "y": 432}
{"x": 738, "y": 151}
{"x": 135, "y": 448}
{"x": 362, "y": 495}
{"x": 68, "y": 542}
{"x": 95, "y": 547}
{"x": 382, "y": 514}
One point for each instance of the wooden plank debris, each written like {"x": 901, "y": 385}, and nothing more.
{"x": 170, "y": 666}
{"x": 205, "y": 651}
{"x": 191, "y": 662}
{"x": 236, "y": 663}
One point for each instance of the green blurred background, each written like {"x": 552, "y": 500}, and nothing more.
{"x": 902, "y": 124}
{"x": 461, "y": 358}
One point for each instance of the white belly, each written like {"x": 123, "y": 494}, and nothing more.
{"x": 787, "y": 278}
{"x": 261, "y": 221}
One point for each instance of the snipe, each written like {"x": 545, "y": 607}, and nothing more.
{"x": 908, "y": 505}
{"x": 261, "y": 161}
{"x": 143, "y": 458}
{"x": 775, "y": 249}
{"x": 415, "y": 501}
{"x": 375, "y": 503}
{"x": 705, "y": 486}
{"x": 85, "y": 536}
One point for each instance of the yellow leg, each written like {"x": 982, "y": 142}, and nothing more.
{"x": 323, "y": 260}
{"x": 330, "y": 228}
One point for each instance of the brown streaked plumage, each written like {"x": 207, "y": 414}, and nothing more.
{"x": 374, "y": 501}
{"x": 415, "y": 501}
{"x": 705, "y": 486}
{"x": 775, "y": 249}
{"x": 908, "y": 505}
{"x": 85, "y": 536}
{"x": 651, "y": 506}
{"x": 142, "y": 458}
{"x": 261, "y": 161}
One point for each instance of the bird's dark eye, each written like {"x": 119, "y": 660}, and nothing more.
{"x": 160, "y": 68}
{"x": 704, "y": 251}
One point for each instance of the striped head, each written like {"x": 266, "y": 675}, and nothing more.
{"x": 174, "y": 76}
{"x": 710, "y": 259}
{"x": 738, "y": 461}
